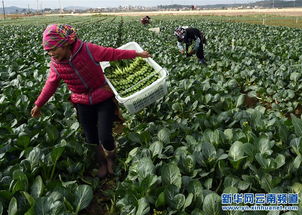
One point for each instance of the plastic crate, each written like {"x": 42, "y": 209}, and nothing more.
{"x": 149, "y": 94}
{"x": 156, "y": 30}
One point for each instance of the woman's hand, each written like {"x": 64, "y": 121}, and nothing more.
{"x": 143, "y": 54}
{"x": 36, "y": 111}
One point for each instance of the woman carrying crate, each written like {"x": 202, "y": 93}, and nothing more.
{"x": 193, "y": 39}
{"x": 77, "y": 64}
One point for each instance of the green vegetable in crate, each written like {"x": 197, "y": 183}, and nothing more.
{"x": 127, "y": 80}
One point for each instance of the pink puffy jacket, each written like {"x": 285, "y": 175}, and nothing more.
{"x": 82, "y": 73}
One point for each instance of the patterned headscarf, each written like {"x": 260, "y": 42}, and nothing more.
{"x": 58, "y": 35}
{"x": 180, "y": 32}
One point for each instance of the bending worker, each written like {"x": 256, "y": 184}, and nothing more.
{"x": 193, "y": 40}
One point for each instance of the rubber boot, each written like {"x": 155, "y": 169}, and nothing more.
{"x": 111, "y": 155}
{"x": 101, "y": 158}
{"x": 202, "y": 61}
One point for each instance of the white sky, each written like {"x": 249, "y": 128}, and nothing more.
{"x": 111, "y": 3}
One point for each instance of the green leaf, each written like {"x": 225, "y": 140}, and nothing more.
{"x": 263, "y": 48}
{"x": 264, "y": 145}
{"x": 295, "y": 144}
{"x": 13, "y": 207}
{"x": 164, "y": 135}
{"x": 230, "y": 181}
{"x": 5, "y": 194}
{"x": 229, "y": 134}
{"x": 212, "y": 204}
{"x": 143, "y": 207}
{"x": 170, "y": 174}
{"x": 18, "y": 185}
{"x": 283, "y": 132}
{"x": 195, "y": 187}
{"x": 187, "y": 164}
{"x": 42, "y": 206}
{"x": 170, "y": 192}
{"x": 19, "y": 175}
{"x": 176, "y": 106}
{"x": 230, "y": 190}
{"x": 273, "y": 213}
{"x": 296, "y": 188}
{"x": 68, "y": 204}
{"x": 197, "y": 211}
{"x": 279, "y": 161}
{"x": 257, "y": 118}
{"x": 208, "y": 183}
{"x": 177, "y": 202}
{"x": 34, "y": 157}
{"x": 31, "y": 211}
{"x": 145, "y": 168}
{"x": 297, "y": 125}
{"x": 83, "y": 197}
{"x": 23, "y": 141}
{"x": 243, "y": 185}
{"x": 29, "y": 198}
{"x": 67, "y": 184}
{"x": 222, "y": 157}
{"x": 208, "y": 150}
{"x": 131, "y": 155}
{"x": 1, "y": 208}
{"x": 189, "y": 200}
{"x": 236, "y": 151}
{"x": 52, "y": 133}
{"x": 240, "y": 100}
{"x": 266, "y": 182}
{"x": 265, "y": 163}
{"x": 191, "y": 140}
{"x": 188, "y": 99}
{"x": 297, "y": 162}
{"x": 134, "y": 137}
{"x": 195, "y": 105}
{"x": 160, "y": 201}
{"x": 295, "y": 76}
{"x": 208, "y": 98}
{"x": 75, "y": 126}
{"x": 56, "y": 153}
{"x": 214, "y": 137}
{"x": 290, "y": 213}
{"x": 20, "y": 182}
{"x": 37, "y": 187}
{"x": 156, "y": 148}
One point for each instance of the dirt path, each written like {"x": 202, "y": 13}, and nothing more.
{"x": 276, "y": 11}
{"x": 281, "y": 12}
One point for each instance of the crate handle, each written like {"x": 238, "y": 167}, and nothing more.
{"x": 166, "y": 71}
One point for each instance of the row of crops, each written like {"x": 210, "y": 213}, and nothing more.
{"x": 232, "y": 126}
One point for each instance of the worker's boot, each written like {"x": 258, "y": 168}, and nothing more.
{"x": 111, "y": 155}
{"x": 101, "y": 158}
{"x": 202, "y": 61}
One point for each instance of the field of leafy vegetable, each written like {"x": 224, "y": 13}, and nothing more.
{"x": 233, "y": 126}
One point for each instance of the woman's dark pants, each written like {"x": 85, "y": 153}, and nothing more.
{"x": 199, "y": 52}
{"x": 97, "y": 121}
